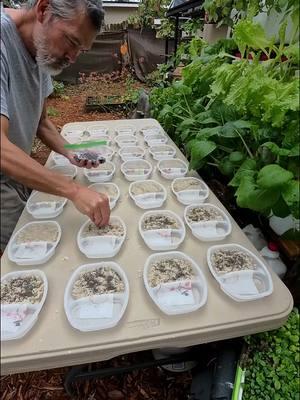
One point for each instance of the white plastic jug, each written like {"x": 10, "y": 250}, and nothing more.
{"x": 271, "y": 255}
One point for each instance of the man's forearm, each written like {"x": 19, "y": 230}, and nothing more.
{"x": 50, "y": 136}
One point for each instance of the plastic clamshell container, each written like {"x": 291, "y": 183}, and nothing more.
{"x": 245, "y": 285}
{"x": 211, "y": 230}
{"x": 136, "y": 170}
{"x": 59, "y": 159}
{"x": 190, "y": 196}
{"x": 103, "y": 173}
{"x": 105, "y": 246}
{"x": 162, "y": 152}
{"x": 156, "y": 139}
{"x": 125, "y": 130}
{"x": 110, "y": 189}
{"x": 177, "y": 297}
{"x": 17, "y": 319}
{"x": 69, "y": 171}
{"x": 164, "y": 238}
{"x": 131, "y": 153}
{"x": 33, "y": 252}
{"x": 96, "y": 312}
{"x": 149, "y": 199}
{"x": 126, "y": 140}
{"x": 42, "y": 205}
{"x": 173, "y": 168}
{"x": 151, "y": 130}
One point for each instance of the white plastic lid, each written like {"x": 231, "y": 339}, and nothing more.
{"x": 18, "y": 318}
{"x": 242, "y": 285}
{"x": 96, "y": 312}
{"x": 173, "y": 168}
{"x": 110, "y": 189}
{"x": 186, "y": 196}
{"x": 126, "y": 140}
{"x": 43, "y": 205}
{"x": 59, "y": 159}
{"x": 162, "y": 152}
{"x": 69, "y": 171}
{"x": 211, "y": 230}
{"x": 164, "y": 238}
{"x": 156, "y": 139}
{"x": 136, "y": 170}
{"x": 181, "y": 296}
{"x": 151, "y": 199}
{"x": 106, "y": 246}
{"x": 131, "y": 153}
{"x": 125, "y": 130}
{"x": 151, "y": 130}
{"x": 37, "y": 248}
{"x": 103, "y": 173}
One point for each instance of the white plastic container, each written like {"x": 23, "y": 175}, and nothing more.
{"x": 96, "y": 246}
{"x": 196, "y": 194}
{"x": 59, "y": 159}
{"x": 136, "y": 170}
{"x": 162, "y": 238}
{"x": 151, "y": 130}
{"x": 17, "y": 319}
{"x": 125, "y": 130}
{"x": 271, "y": 255}
{"x": 96, "y": 312}
{"x": 211, "y": 230}
{"x": 173, "y": 168}
{"x": 244, "y": 285}
{"x": 95, "y": 132}
{"x": 38, "y": 250}
{"x": 103, "y": 173}
{"x": 177, "y": 297}
{"x": 126, "y": 140}
{"x": 73, "y": 135}
{"x": 69, "y": 171}
{"x": 43, "y": 205}
{"x": 156, "y": 139}
{"x": 162, "y": 152}
{"x": 131, "y": 153}
{"x": 110, "y": 189}
{"x": 98, "y": 130}
{"x": 151, "y": 199}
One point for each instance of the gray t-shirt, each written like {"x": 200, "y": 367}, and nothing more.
{"x": 24, "y": 86}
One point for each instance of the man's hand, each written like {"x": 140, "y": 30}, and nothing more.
{"x": 94, "y": 205}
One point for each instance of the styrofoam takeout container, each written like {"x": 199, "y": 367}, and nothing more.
{"x": 178, "y": 297}
{"x": 59, "y": 159}
{"x": 191, "y": 196}
{"x": 100, "y": 188}
{"x": 165, "y": 238}
{"x": 156, "y": 139}
{"x": 173, "y": 168}
{"x": 35, "y": 252}
{"x": 150, "y": 199}
{"x": 212, "y": 230}
{"x": 131, "y": 153}
{"x": 17, "y": 319}
{"x": 44, "y": 209}
{"x": 136, "y": 170}
{"x": 101, "y": 246}
{"x": 99, "y": 311}
{"x": 245, "y": 285}
{"x": 102, "y": 173}
{"x": 162, "y": 152}
{"x": 69, "y": 171}
{"x": 126, "y": 140}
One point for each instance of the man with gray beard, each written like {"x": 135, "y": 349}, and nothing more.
{"x": 37, "y": 41}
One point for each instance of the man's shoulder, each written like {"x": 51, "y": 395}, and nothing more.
{"x": 6, "y": 25}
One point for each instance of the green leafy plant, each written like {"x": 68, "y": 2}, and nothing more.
{"x": 52, "y": 112}
{"x": 58, "y": 89}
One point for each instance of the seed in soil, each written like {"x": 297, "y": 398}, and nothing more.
{"x": 102, "y": 280}
{"x": 38, "y": 232}
{"x": 27, "y": 289}
{"x": 187, "y": 184}
{"x": 225, "y": 261}
{"x": 113, "y": 229}
{"x": 159, "y": 222}
{"x": 170, "y": 270}
{"x": 197, "y": 214}
{"x": 145, "y": 187}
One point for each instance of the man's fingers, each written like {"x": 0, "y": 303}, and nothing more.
{"x": 97, "y": 217}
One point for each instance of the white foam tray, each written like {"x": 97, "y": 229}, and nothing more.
{"x": 101, "y": 246}
{"x": 162, "y": 239}
{"x": 99, "y": 187}
{"x": 11, "y": 331}
{"x": 191, "y": 196}
{"x": 130, "y": 169}
{"x": 148, "y": 200}
{"x": 99, "y": 174}
{"x": 47, "y": 208}
{"x": 104, "y": 311}
{"x": 173, "y": 168}
{"x": 128, "y": 153}
{"x": 208, "y": 231}
{"x": 243, "y": 285}
{"x": 184, "y": 296}
{"x": 162, "y": 152}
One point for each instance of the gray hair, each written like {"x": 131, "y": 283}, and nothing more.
{"x": 68, "y": 9}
